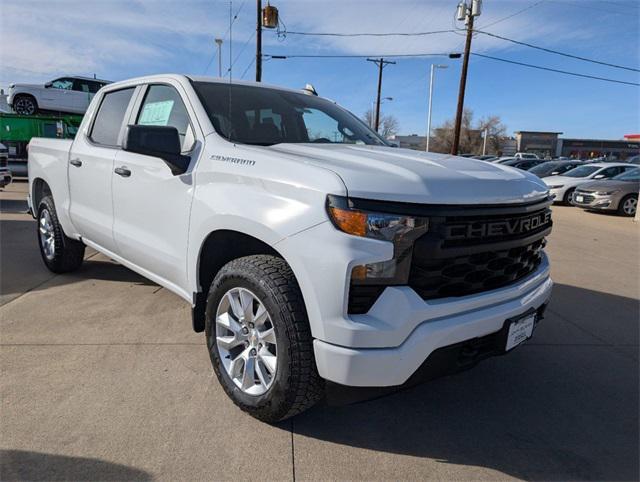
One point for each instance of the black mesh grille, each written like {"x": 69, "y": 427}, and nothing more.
{"x": 468, "y": 274}
{"x": 4, "y": 162}
{"x": 586, "y": 198}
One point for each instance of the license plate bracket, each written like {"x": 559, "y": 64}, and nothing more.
{"x": 520, "y": 329}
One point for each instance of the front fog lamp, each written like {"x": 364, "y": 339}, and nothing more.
{"x": 401, "y": 230}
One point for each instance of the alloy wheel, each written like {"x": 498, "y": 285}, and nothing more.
{"x": 47, "y": 235}
{"x": 630, "y": 205}
{"x": 246, "y": 341}
{"x": 24, "y": 106}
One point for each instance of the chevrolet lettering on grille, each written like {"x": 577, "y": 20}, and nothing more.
{"x": 507, "y": 227}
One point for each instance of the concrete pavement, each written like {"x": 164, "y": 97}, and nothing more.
{"x": 102, "y": 378}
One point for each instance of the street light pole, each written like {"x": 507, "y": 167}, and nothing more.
{"x": 484, "y": 142}
{"x": 466, "y": 13}
{"x": 219, "y": 44}
{"x": 433, "y": 67}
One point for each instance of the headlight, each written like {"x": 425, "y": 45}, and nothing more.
{"x": 398, "y": 229}
{"x": 604, "y": 193}
{"x": 556, "y": 186}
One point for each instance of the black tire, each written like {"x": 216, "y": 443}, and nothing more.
{"x": 296, "y": 385}
{"x": 567, "y": 197}
{"x": 68, "y": 253}
{"x": 621, "y": 210}
{"x": 25, "y": 105}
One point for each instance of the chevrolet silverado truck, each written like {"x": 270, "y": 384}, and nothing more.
{"x": 313, "y": 254}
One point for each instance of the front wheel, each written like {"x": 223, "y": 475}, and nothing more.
{"x": 60, "y": 253}
{"x": 628, "y": 205}
{"x": 259, "y": 339}
{"x": 568, "y": 197}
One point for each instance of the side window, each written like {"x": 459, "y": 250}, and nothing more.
{"x": 163, "y": 106}
{"x": 610, "y": 172}
{"x": 65, "y": 84}
{"x": 110, "y": 115}
{"x": 81, "y": 85}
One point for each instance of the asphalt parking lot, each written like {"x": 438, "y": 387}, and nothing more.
{"x": 102, "y": 378}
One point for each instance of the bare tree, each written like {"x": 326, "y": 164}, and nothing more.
{"x": 389, "y": 125}
{"x": 470, "y": 136}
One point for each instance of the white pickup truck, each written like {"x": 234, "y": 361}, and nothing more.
{"x": 312, "y": 253}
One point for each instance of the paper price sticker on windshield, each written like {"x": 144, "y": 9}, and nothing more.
{"x": 156, "y": 113}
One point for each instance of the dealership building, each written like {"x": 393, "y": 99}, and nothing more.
{"x": 551, "y": 144}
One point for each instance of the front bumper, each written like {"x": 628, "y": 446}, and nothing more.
{"x": 432, "y": 326}
{"x": 591, "y": 200}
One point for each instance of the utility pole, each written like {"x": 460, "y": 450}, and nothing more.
{"x": 259, "y": 41}
{"x": 381, "y": 63}
{"x": 466, "y": 13}
{"x": 219, "y": 44}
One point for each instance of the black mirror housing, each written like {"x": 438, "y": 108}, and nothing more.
{"x": 157, "y": 141}
{"x": 48, "y": 85}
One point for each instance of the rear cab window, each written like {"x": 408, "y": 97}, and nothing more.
{"x": 109, "y": 118}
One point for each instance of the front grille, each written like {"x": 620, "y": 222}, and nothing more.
{"x": 468, "y": 274}
{"x": 586, "y": 198}
{"x": 467, "y": 250}
{"x": 4, "y": 161}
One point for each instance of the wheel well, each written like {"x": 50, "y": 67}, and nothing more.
{"x": 26, "y": 95}
{"x": 40, "y": 189}
{"x": 218, "y": 249}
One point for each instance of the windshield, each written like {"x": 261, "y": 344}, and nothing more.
{"x": 264, "y": 116}
{"x": 632, "y": 175}
{"x": 582, "y": 171}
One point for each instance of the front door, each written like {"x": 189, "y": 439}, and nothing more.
{"x": 59, "y": 96}
{"x": 151, "y": 205}
{"x": 91, "y": 164}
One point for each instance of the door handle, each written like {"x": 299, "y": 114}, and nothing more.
{"x": 122, "y": 171}
{"x": 75, "y": 162}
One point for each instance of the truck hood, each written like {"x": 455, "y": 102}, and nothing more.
{"x": 27, "y": 86}
{"x": 405, "y": 175}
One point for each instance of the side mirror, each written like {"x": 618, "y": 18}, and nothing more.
{"x": 599, "y": 176}
{"x": 48, "y": 85}
{"x": 157, "y": 141}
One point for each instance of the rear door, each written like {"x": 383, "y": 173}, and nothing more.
{"x": 82, "y": 94}
{"x": 151, "y": 205}
{"x": 91, "y": 169}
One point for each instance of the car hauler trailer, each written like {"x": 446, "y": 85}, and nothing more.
{"x": 17, "y": 130}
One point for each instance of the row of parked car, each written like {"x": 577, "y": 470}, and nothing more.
{"x": 594, "y": 186}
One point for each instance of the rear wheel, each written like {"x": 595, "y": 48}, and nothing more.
{"x": 628, "y": 205}
{"x": 259, "y": 338}
{"x": 25, "y": 105}
{"x": 60, "y": 253}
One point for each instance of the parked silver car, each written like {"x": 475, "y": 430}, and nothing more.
{"x": 617, "y": 194}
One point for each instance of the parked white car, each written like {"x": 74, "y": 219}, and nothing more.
{"x": 309, "y": 250}
{"x": 5, "y": 174}
{"x": 525, "y": 155}
{"x": 65, "y": 94}
{"x": 562, "y": 187}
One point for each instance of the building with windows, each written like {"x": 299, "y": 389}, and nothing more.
{"x": 552, "y": 145}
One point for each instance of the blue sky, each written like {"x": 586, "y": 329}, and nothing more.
{"x": 115, "y": 39}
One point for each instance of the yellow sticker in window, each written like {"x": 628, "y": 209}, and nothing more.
{"x": 156, "y": 113}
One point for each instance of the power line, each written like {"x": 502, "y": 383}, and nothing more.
{"x": 224, "y": 37}
{"x": 253, "y": 59}
{"x": 369, "y": 34}
{"x": 242, "y": 49}
{"x": 316, "y": 56}
{"x": 556, "y": 52}
{"x": 514, "y": 14}
{"x": 555, "y": 70}
{"x": 348, "y": 56}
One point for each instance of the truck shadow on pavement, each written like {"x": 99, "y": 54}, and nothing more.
{"x": 23, "y": 465}
{"x": 564, "y": 406}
